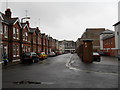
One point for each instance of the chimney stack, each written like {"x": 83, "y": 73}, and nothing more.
{"x": 8, "y": 13}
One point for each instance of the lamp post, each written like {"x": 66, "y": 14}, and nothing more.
{"x": 24, "y": 18}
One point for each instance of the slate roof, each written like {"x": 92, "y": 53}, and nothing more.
{"x": 8, "y": 20}
{"x": 32, "y": 30}
{"x": 37, "y": 31}
{"x": 23, "y": 24}
{"x": 108, "y": 36}
{"x": 107, "y": 32}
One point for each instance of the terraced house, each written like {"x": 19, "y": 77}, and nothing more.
{"x": 18, "y": 37}
{"x": 25, "y": 45}
{"x": 11, "y": 35}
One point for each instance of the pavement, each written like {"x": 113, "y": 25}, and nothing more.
{"x": 107, "y": 65}
{"x": 10, "y": 64}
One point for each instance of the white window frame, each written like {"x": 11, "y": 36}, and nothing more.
{"x": 17, "y": 50}
{"x": 14, "y": 33}
{"x": 14, "y": 50}
{"x": 17, "y": 33}
{"x": 5, "y": 31}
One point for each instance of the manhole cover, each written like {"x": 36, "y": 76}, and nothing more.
{"x": 26, "y": 82}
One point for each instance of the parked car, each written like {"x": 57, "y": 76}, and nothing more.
{"x": 96, "y": 56}
{"x": 42, "y": 55}
{"x": 102, "y": 53}
{"x": 59, "y": 53}
{"x": 56, "y": 53}
{"x": 29, "y": 57}
{"x": 51, "y": 54}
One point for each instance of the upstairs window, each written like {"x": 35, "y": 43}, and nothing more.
{"x": 15, "y": 33}
{"x": 29, "y": 39}
{"x": 34, "y": 39}
{"x": 1, "y": 30}
{"x": 26, "y": 36}
{"x": 5, "y": 31}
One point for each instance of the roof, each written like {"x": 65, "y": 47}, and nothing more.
{"x": 23, "y": 24}
{"x": 108, "y": 36}
{"x": 43, "y": 34}
{"x": 32, "y": 30}
{"x": 97, "y": 29}
{"x": 87, "y": 40}
{"x": 9, "y": 20}
{"x": 107, "y": 32}
{"x": 116, "y": 23}
{"x": 37, "y": 31}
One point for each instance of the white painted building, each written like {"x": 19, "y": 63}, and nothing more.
{"x": 117, "y": 36}
{"x": 119, "y": 11}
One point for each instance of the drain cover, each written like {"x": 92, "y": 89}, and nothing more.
{"x": 27, "y": 82}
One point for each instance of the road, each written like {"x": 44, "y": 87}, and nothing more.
{"x": 63, "y": 71}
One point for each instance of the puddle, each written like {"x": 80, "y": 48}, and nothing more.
{"x": 31, "y": 82}
{"x": 27, "y": 82}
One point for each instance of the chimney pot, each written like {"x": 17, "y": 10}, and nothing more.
{"x": 8, "y": 12}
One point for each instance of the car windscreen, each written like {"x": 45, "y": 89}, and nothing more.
{"x": 33, "y": 54}
{"x": 42, "y": 53}
{"x": 95, "y": 54}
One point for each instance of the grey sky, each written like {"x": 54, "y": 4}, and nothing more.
{"x": 67, "y": 20}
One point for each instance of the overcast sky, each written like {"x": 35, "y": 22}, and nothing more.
{"x": 66, "y": 20}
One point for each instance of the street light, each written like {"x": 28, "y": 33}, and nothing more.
{"x": 24, "y": 18}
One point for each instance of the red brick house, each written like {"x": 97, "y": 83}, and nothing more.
{"x": 4, "y": 33}
{"x": 53, "y": 45}
{"x": 33, "y": 37}
{"x": 25, "y": 38}
{"x": 43, "y": 42}
{"x": 18, "y": 38}
{"x": 46, "y": 44}
{"x": 107, "y": 42}
{"x": 11, "y": 29}
{"x": 49, "y": 44}
{"x": 38, "y": 41}
{"x": 93, "y": 34}
{"x": 109, "y": 45}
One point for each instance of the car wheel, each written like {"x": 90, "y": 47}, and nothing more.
{"x": 23, "y": 62}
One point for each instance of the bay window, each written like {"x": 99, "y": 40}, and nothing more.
{"x": 5, "y": 31}
{"x": 15, "y": 33}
